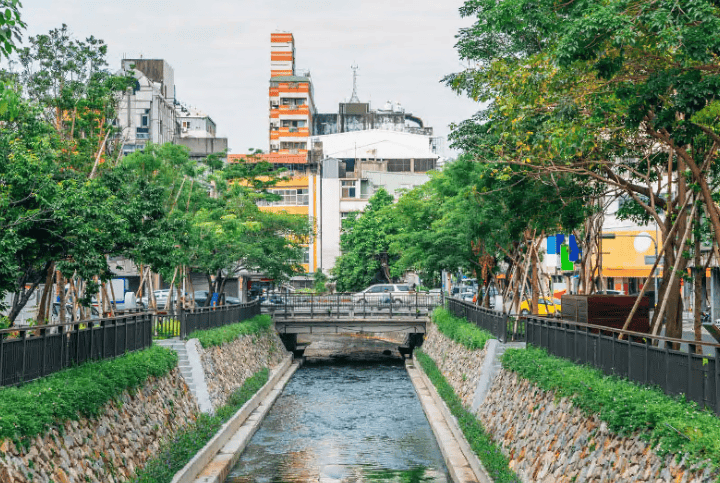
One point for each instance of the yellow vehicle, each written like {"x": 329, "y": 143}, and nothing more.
{"x": 546, "y": 306}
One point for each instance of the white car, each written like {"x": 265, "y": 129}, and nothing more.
{"x": 384, "y": 293}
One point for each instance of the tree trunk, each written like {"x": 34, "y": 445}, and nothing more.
{"x": 534, "y": 281}
{"x": 698, "y": 274}
{"x": 61, "y": 285}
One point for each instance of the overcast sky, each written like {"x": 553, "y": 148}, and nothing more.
{"x": 220, "y": 52}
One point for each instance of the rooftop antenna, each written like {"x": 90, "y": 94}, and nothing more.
{"x": 354, "y": 97}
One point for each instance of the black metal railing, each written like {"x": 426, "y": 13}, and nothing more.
{"x": 497, "y": 323}
{"x": 354, "y": 305}
{"x": 642, "y": 358}
{"x": 28, "y": 353}
{"x": 211, "y": 317}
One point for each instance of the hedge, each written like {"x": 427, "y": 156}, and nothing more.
{"x": 228, "y": 333}
{"x": 30, "y": 409}
{"x": 460, "y": 330}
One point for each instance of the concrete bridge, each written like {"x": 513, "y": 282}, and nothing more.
{"x": 349, "y": 313}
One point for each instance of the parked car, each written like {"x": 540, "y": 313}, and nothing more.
{"x": 545, "y": 307}
{"x": 650, "y": 294}
{"x": 55, "y": 316}
{"x": 273, "y": 299}
{"x": 610, "y": 292}
{"x": 384, "y": 293}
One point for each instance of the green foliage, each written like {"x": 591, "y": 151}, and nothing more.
{"x": 480, "y": 441}
{"x": 228, "y": 333}
{"x": 364, "y": 245}
{"x": 460, "y": 330}
{"x": 320, "y": 280}
{"x": 675, "y": 426}
{"x": 10, "y": 26}
{"x": 29, "y": 410}
{"x": 175, "y": 454}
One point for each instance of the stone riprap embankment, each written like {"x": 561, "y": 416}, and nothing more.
{"x": 108, "y": 448}
{"x": 550, "y": 440}
{"x": 461, "y": 367}
{"x": 546, "y": 438}
{"x": 226, "y": 367}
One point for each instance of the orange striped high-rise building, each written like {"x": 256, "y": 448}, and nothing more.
{"x": 292, "y": 106}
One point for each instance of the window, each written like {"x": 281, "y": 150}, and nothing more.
{"x": 348, "y": 189}
{"x": 186, "y": 124}
{"x": 423, "y": 165}
{"x": 291, "y": 146}
{"x": 293, "y": 123}
{"x": 398, "y": 165}
{"x": 144, "y": 120}
{"x": 289, "y": 197}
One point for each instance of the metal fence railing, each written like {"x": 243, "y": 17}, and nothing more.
{"x": 646, "y": 359}
{"x": 210, "y": 317}
{"x": 497, "y": 323}
{"x": 28, "y": 353}
{"x": 357, "y": 305}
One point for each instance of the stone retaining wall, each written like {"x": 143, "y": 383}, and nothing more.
{"x": 547, "y": 439}
{"x": 460, "y": 366}
{"x": 109, "y": 448}
{"x": 226, "y": 367}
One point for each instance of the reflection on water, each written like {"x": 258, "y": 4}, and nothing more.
{"x": 344, "y": 423}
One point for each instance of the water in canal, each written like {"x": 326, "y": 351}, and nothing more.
{"x": 344, "y": 422}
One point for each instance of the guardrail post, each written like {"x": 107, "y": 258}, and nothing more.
{"x": 183, "y": 323}
{"x": 286, "y": 304}
{"x": 337, "y": 297}
{"x": 312, "y": 305}
{"x": 717, "y": 379}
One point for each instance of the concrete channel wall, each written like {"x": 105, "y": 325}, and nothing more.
{"x": 545, "y": 437}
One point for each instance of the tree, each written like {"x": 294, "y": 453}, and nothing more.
{"x": 617, "y": 93}
{"x": 10, "y": 26}
{"x": 365, "y": 246}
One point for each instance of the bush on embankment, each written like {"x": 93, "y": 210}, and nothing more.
{"x": 481, "y": 443}
{"x": 30, "y": 409}
{"x": 460, "y": 330}
{"x": 674, "y": 425}
{"x": 228, "y": 333}
{"x": 175, "y": 454}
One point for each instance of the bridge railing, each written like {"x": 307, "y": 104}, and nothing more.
{"x": 339, "y": 305}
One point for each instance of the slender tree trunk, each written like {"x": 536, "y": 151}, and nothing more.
{"x": 698, "y": 273}
{"x": 61, "y": 286}
{"x": 47, "y": 289}
{"x": 534, "y": 281}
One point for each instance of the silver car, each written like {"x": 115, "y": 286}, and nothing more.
{"x": 384, "y": 293}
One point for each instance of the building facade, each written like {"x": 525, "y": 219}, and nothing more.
{"x": 292, "y": 105}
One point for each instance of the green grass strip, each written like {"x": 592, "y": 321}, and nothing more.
{"x": 30, "y": 409}
{"x": 228, "y": 333}
{"x": 176, "y": 453}
{"x": 492, "y": 458}
{"x": 672, "y": 425}
{"x": 460, "y": 330}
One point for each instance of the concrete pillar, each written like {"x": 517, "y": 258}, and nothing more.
{"x": 714, "y": 294}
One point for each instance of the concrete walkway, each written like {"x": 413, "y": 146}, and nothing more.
{"x": 462, "y": 463}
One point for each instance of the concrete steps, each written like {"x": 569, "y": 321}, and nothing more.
{"x": 490, "y": 368}
{"x": 191, "y": 370}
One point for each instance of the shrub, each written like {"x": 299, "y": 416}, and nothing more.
{"x": 29, "y": 410}
{"x": 481, "y": 443}
{"x": 175, "y": 454}
{"x": 460, "y": 330}
{"x": 672, "y": 425}
{"x": 228, "y": 333}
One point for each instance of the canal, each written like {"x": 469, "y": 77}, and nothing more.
{"x": 345, "y": 420}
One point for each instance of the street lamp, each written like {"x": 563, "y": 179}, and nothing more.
{"x": 612, "y": 236}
